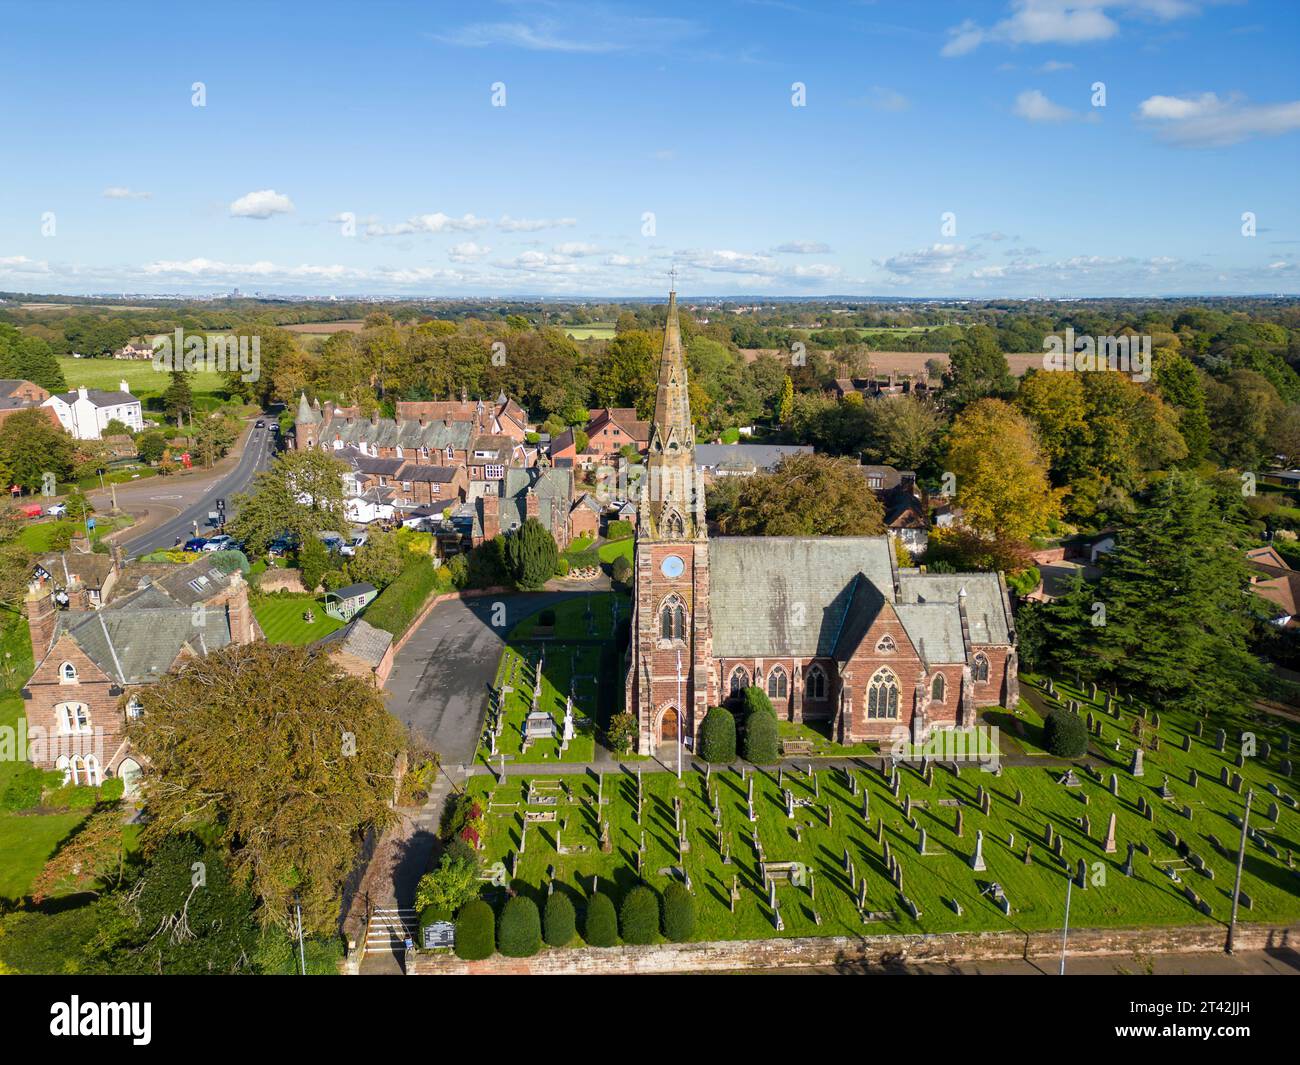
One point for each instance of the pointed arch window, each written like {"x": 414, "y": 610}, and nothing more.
{"x": 882, "y": 695}
{"x": 672, "y": 619}
{"x": 815, "y": 683}
{"x": 68, "y": 673}
{"x": 778, "y": 684}
{"x": 73, "y": 718}
{"x": 674, "y": 527}
{"x": 739, "y": 680}
{"x": 936, "y": 689}
{"x": 980, "y": 669}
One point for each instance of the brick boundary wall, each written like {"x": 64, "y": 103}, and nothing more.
{"x": 876, "y": 950}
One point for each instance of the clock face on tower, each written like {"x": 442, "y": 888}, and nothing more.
{"x": 672, "y": 567}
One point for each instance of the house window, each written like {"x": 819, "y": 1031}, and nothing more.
{"x": 980, "y": 669}
{"x": 73, "y": 717}
{"x": 406, "y": 486}
{"x": 936, "y": 689}
{"x": 777, "y": 684}
{"x": 68, "y": 673}
{"x": 882, "y": 695}
{"x": 449, "y": 454}
{"x": 886, "y": 644}
{"x": 134, "y": 709}
{"x": 739, "y": 680}
{"x": 815, "y": 683}
{"x": 494, "y": 473}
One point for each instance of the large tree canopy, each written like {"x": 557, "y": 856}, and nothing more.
{"x": 281, "y": 757}
{"x": 806, "y": 495}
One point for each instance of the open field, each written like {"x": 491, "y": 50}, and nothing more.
{"x": 596, "y": 331}
{"x": 948, "y": 893}
{"x": 912, "y": 362}
{"x": 139, "y": 374}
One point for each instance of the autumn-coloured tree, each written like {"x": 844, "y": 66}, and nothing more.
{"x": 1001, "y": 472}
{"x": 806, "y": 495}
{"x": 90, "y": 860}
{"x": 278, "y": 755}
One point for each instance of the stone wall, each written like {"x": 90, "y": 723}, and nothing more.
{"x": 280, "y": 580}
{"x": 876, "y": 950}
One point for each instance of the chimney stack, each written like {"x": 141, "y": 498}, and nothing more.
{"x": 42, "y": 619}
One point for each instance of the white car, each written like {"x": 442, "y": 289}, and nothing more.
{"x": 57, "y": 510}
{"x": 350, "y": 548}
{"x": 217, "y": 543}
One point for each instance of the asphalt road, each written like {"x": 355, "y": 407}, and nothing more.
{"x": 440, "y": 680}
{"x": 191, "y": 501}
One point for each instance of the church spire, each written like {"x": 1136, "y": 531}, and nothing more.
{"x": 672, "y": 430}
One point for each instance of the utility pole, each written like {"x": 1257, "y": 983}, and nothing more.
{"x": 681, "y": 716}
{"x": 302, "y": 951}
{"x": 1241, "y": 860}
{"x": 1065, "y": 931}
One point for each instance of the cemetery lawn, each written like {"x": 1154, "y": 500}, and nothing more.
{"x": 943, "y": 877}
{"x": 516, "y": 670}
{"x": 281, "y": 618}
{"x": 572, "y": 621}
{"x": 822, "y": 745}
{"x": 612, "y": 549}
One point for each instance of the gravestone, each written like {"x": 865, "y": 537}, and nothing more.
{"x": 1193, "y": 778}
{"x": 1029, "y": 854}
{"x": 1128, "y": 862}
{"x": 977, "y": 859}
{"x": 1220, "y": 740}
{"x": 1109, "y": 846}
{"x": 1114, "y": 785}
{"x": 1082, "y": 880}
{"x": 1135, "y": 769}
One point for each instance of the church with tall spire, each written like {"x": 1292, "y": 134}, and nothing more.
{"x": 831, "y": 628}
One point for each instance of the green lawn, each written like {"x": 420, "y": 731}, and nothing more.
{"x": 613, "y": 549}
{"x": 26, "y": 843}
{"x": 281, "y": 618}
{"x": 572, "y": 621}
{"x": 140, "y": 376}
{"x": 596, "y": 331}
{"x": 36, "y": 536}
{"x": 941, "y": 880}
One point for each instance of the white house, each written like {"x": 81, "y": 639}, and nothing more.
{"x": 85, "y": 412}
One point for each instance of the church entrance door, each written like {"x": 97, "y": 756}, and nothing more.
{"x": 668, "y": 726}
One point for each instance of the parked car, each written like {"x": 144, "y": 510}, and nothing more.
{"x": 281, "y": 545}
{"x": 350, "y": 548}
{"x": 32, "y": 510}
{"x": 260, "y": 425}
{"x": 217, "y": 543}
{"x": 57, "y": 510}
{"x": 195, "y": 543}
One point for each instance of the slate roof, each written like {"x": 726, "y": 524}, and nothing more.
{"x": 139, "y": 645}
{"x": 760, "y": 587}
{"x": 98, "y": 397}
{"x": 985, "y": 603}
{"x": 85, "y": 567}
{"x": 358, "y": 637}
{"x": 435, "y": 474}
{"x": 746, "y": 456}
{"x": 363, "y": 588}
{"x": 817, "y": 596}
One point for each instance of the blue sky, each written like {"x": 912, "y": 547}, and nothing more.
{"x": 978, "y": 112}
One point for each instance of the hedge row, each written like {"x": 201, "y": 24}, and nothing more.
{"x": 397, "y": 605}
{"x": 520, "y": 930}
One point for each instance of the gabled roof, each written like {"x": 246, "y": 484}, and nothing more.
{"x": 138, "y": 645}
{"x": 97, "y": 396}
{"x": 986, "y": 608}
{"x": 360, "y": 639}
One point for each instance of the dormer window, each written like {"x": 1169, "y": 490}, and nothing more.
{"x": 68, "y": 673}
{"x": 134, "y": 709}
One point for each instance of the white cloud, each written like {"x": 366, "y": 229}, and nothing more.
{"x": 261, "y": 204}
{"x": 467, "y": 252}
{"x": 576, "y": 249}
{"x": 532, "y": 225}
{"x": 1070, "y": 22}
{"x": 579, "y": 28}
{"x": 1208, "y": 121}
{"x": 802, "y": 247}
{"x": 938, "y": 259}
{"x": 1052, "y": 66}
{"x": 121, "y": 192}
{"x": 437, "y": 222}
{"x": 1033, "y": 106}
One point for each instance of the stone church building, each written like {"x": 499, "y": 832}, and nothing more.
{"x": 832, "y": 628}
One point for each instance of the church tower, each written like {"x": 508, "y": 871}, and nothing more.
{"x": 668, "y": 682}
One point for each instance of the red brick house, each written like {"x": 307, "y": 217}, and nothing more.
{"x": 613, "y": 428}
{"x": 90, "y": 665}
{"x": 830, "y": 627}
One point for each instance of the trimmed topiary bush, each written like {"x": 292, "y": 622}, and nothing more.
{"x": 762, "y": 739}
{"x": 475, "y": 931}
{"x": 601, "y": 927}
{"x": 679, "y": 913}
{"x": 1065, "y": 734}
{"x": 638, "y": 918}
{"x": 718, "y": 736}
{"x": 559, "y": 923}
{"x": 755, "y": 700}
{"x": 519, "y": 932}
